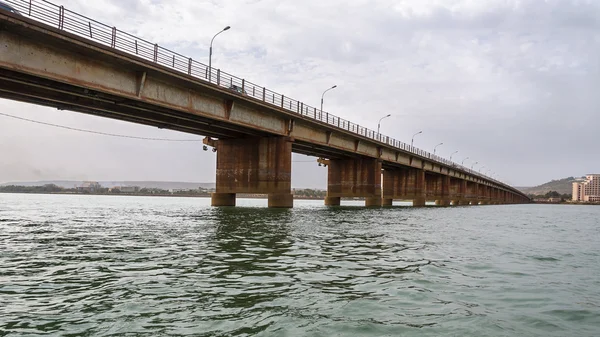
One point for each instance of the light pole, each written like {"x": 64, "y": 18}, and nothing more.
{"x": 210, "y": 52}
{"x": 379, "y": 123}
{"x": 463, "y": 162}
{"x": 453, "y": 153}
{"x": 335, "y": 86}
{"x": 475, "y": 163}
{"x": 413, "y": 138}
{"x": 435, "y": 148}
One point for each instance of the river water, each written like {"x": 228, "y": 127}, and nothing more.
{"x": 115, "y": 265}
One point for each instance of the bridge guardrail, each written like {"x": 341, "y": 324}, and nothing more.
{"x": 69, "y": 21}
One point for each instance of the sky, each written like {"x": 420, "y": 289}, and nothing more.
{"x": 510, "y": 84}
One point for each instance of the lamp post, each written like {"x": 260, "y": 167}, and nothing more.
{"x": 463, "y": 162}
{"x": 379, "y": 123}
{"x": 210, "y": 52}
{"x": 475, "y": 163}
{"x": 435, "y": 148}
{"x": 335, "y": 86}
{"x": 453, "y": 153}
{"x": 413, "y": 138}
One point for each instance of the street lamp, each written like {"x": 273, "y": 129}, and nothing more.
{"x": 413, "y": 138}
{"x": 335, "y": 86}
{"x": 379, "y": 123}
{"x": 435, "y": 148}
{"x": 464, "y": 161}
{"x": 210, "y": 52}
{"x": 475, "y": 163}
{"x": 453, "y": 153}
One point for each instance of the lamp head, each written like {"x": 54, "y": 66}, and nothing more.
{"x": 226, "y": 28}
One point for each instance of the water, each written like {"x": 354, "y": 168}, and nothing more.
{"x": 94, "y": 265}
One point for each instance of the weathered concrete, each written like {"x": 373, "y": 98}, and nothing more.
{"x": 373, "y": 202}
{"x": 355, "y": 177}
{"x": 419, "y": 202}
{"x": 332, "y": 201}
{"x": 442, "y": 202}
{"x": 261, "y": 165}
{"x": 223, "y": 199}
{"x": 280, "y": 200}
{"x": 404, "y": 184}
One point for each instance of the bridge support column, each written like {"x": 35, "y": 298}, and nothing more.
{"x": 260, "y": 165}
{"x": 354, "y": 177}
{"x": 443, "y": 191}
{"x": 404, "y": 184}
{"x": 222, "y": 199}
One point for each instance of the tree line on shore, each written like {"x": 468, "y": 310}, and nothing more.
{"x": 200, "y": 192}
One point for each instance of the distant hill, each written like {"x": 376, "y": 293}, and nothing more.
{"x": 562, "y": 186}
{"x": 165, "y": 185}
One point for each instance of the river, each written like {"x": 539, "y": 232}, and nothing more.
{"x": 114, "y": 265}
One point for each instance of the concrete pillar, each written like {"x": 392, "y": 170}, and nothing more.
{"x": 405, "y": 184}
{"x": 258, "y": 165}
{"x": 354, "y": 177}
{"x": 373, "y": 202}
{"x": 444, "y": 198}
{"x": 223, "y": 199}
{"x": 419, "y": 202}
{"x": 332, "y": 201}
{"x": 442, "y": 202}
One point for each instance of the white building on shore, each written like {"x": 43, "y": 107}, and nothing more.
{"x": 587, "y": 190}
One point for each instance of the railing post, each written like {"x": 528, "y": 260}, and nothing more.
{"x": 61, "y": 17}
{"x": 219, "y": 77}
{"x": 315, "y": 112}
{"x": 282, "y": 101}
{"x": 243, "y": 84}
{"x": 155, "y": 52}
{"x": 326, "y": 117}
{"x": 30, "y": 7}
{"x": 136, "y": 47}
{"x": 113, "y": 41}
{"x": 264, "y": 92}
{"x": 173, "y": 60}
{"x": 90, "y": 25}
{"x": 190, "y": 66}
{"x": 301, "y": 106}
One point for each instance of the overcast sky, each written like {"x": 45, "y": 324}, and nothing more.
{"x": 510, "y": 84}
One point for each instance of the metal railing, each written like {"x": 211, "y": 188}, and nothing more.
{"x": 74, "y": 23}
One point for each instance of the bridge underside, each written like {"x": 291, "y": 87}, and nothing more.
{"x": 254, "y": 140}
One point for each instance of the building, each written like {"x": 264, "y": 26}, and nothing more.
{"x": 587, "y": 190}
{"x": 89, "y": 187}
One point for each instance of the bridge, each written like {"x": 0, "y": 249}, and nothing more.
{"x": 54, "y": 57}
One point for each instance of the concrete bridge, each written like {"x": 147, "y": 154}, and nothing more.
{"x": 53, "y": 57}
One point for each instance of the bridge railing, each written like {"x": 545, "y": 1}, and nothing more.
{"x": 66, "y": 20}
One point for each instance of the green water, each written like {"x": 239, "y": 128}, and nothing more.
{"x": 146, "y": 266}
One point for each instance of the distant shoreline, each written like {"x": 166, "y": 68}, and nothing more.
{"x": 240, "y": 195}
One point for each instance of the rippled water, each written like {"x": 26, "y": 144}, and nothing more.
{"x": 92, "y": 265}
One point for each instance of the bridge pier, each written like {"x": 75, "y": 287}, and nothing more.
{"x": 354, "y": 177}
{"x": 404, "y": 184}
{"x": 258, "y": 165}
{"x": 440, "y": 189}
